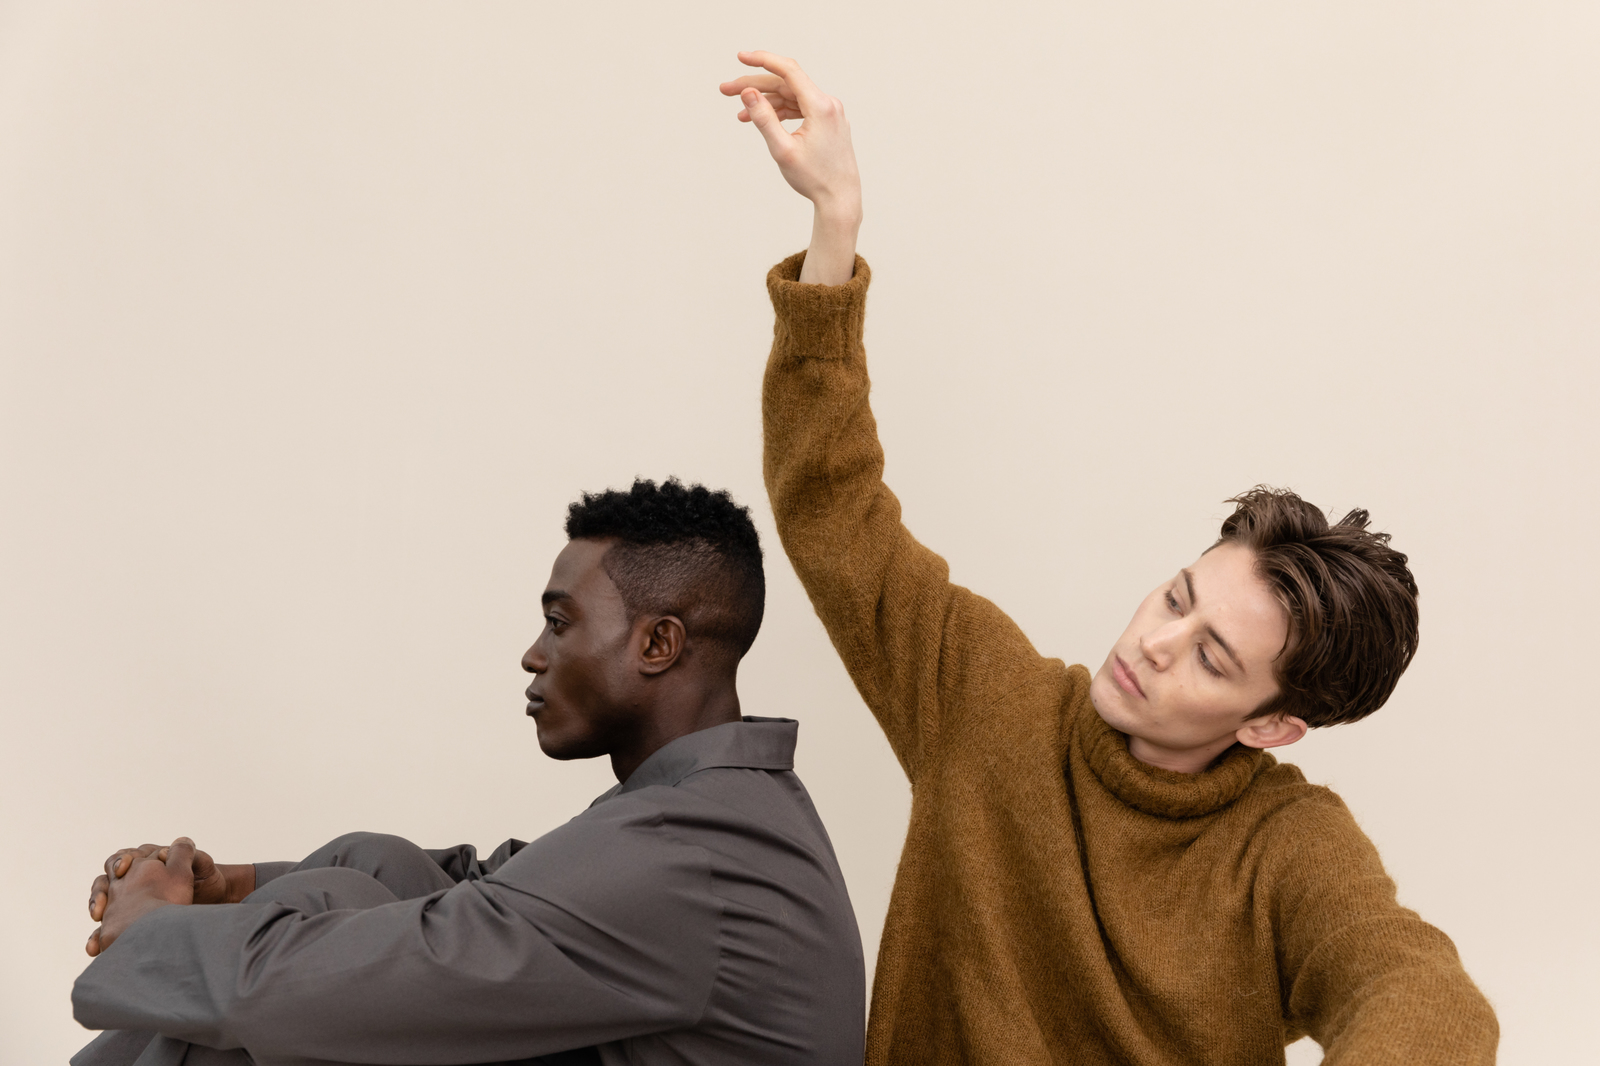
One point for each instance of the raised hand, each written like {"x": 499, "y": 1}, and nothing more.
{"x": 817, "y": 159}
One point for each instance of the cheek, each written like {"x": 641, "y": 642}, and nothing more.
{"x": 586, "y": 682}
{"x": 571, "y": 672}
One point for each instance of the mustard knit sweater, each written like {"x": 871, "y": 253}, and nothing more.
{"x": 1057, "y": 900}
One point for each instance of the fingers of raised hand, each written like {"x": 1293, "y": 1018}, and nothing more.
{"x": 779, "y": 140}
{"x": 766, "y": 83}
{"x": 782, "y": 106}
{"x": 787, "y": 69}
{"x": 92, "y": 946}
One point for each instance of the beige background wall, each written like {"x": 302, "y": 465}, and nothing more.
{"x": 314, "y": 317}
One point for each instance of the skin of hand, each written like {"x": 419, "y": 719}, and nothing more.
{"x": 214, "y": 882}
{"x": 211, "y": 882}
{"x": 817, "y": 159}
{"x": 148, "y": 884}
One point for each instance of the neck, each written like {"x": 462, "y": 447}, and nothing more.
{"x": 675, "y": 714}
{"x": 1179, "y": 760}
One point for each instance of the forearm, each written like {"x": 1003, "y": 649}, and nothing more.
{"x": 1427, "y": 1015}
{"x": 1367, "y": 978}
{"x": 264, "y": 873}
{"x": 918, "y": 648}
{"x": 568, "y": 949}
{"x": 402, "y": 982}
{"x": 1389, "y": 987}
{"x": 823, "y": 464}
{"x": 831, "y": 257}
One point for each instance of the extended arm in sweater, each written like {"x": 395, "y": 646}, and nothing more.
{"x": 1057, "y": 898}
{"x": 918, "y": 647}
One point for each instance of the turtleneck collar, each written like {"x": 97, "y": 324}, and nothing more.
{"x": 1165, "y": 793}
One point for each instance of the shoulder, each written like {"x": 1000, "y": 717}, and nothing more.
{"x": 1286, "y": 797}
{"x": 1304, "y": 831}
{"x": 749, "y": 818}
{"x": 1011, "y": 682}
{"x": 1021, "y": 720}
{"x": 711, "y": 811}
{"x": 617, "y": 842}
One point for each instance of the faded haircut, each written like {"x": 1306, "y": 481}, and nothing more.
{"x": 680, "y": 550}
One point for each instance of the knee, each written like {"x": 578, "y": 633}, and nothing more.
{"x": 367, "y": 852}
{"x": 401, "y": 866}
{"x": 316, "y": 891}
{"x": 356, "y": 849}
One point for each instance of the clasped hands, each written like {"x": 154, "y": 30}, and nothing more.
{"x": 146, "y": 878}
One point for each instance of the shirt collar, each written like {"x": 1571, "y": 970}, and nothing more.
{"x": 751, "y": 743}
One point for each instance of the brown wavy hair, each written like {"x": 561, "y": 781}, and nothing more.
{"x": 1351, "y": 599}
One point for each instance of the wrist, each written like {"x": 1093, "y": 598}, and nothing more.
{"x": 837, "y": 214}
{"x": 241, "y": 880}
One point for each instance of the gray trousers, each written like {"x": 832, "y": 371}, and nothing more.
{"x": 352, "y": 872}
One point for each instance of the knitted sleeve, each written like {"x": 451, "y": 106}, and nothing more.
{"x": 1368, "y": 979}
{"x": 919, "y": 649}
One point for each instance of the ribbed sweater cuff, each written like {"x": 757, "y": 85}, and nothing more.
{"x": 818, "y": 321}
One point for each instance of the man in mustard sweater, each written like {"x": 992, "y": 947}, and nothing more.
{"x": 1101, "y": 868}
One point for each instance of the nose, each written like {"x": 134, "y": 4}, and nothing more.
{"x": 534, "y": 661}
{"x": 1159, "y": 646}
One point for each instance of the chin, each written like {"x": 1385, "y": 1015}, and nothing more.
{"x": 550, "y": 742}
{"x": 565, "y": 748}
{"x": 1110, "y": 701}
{"x": 554, "y": 748}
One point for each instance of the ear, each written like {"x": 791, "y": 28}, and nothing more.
{"x": 1273, "y": 731}
{"x": 664, "y": 642}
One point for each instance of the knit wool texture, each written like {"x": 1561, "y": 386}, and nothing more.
{"x": 1057, "y": 900}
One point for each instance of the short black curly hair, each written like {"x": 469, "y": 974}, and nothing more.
{"x": 682, "y": 550}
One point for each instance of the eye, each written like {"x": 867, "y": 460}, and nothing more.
{"x": 555, "y": 622}
{"x": 1172, "y": 602}
{"x": 1206, "y": 662}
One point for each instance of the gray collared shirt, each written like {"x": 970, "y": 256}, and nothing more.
{"x": 693, "y": 914}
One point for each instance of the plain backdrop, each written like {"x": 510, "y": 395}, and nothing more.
{"x": 314, "y": 317}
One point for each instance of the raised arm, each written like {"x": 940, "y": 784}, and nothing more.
{"x": 921, "y": 651}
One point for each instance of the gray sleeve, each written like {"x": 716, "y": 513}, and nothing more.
{"x": 271, "y": 871}
{"x": 603, "y": 929}
{"x": 462, "y": 863}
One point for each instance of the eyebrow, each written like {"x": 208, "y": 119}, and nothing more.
{"x": 1188, "y": 582}
{"x": 552, "y": 595}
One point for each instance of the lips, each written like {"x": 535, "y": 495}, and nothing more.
{"x": 1125, "y": 679}
{"x": 535, "y": 702}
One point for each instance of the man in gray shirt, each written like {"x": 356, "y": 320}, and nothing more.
{"x": 695, "y": 913}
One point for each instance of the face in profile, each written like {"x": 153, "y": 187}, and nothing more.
{"x": 1196, "y": 661}
{"x": 584, "y": 681}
